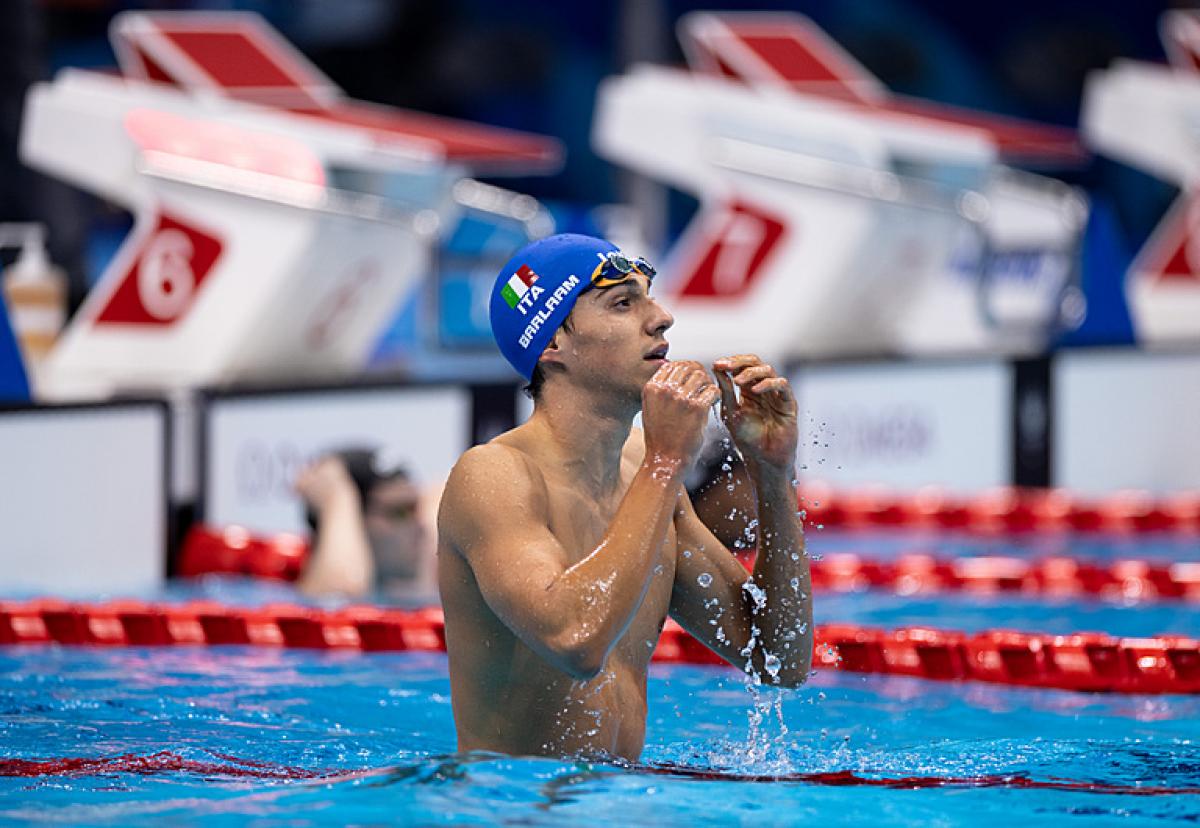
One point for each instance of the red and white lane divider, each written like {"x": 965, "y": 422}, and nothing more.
{"x": 1057, "y": 577}
{"x": 1006, "y": 510}
{"x": 234, "y": 551}
{"x": 225, "y": 765}
{"x": 1085, "y": 661}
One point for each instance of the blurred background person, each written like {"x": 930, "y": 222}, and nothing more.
{"x": 372, "y": 529}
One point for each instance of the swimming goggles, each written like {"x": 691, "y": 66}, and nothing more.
{"x": 616, "y": 268}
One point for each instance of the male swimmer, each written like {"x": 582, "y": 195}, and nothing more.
{"x": 566, "y": 542}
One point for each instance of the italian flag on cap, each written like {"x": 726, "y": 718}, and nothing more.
{"x": 517, "y": 285}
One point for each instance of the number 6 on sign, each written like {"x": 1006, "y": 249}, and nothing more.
{"x": 165, "y": 278}
{"x": 161, "y": 283}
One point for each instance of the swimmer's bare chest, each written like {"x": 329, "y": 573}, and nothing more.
{"x": 608, "y": 712}
{"x": 507, "y": 698}
{"x": 580, "y": 526}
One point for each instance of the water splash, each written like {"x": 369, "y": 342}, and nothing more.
{"x": 757, "y": 595}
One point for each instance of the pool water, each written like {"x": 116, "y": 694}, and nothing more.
{"x": 275, "y": 737}
{"x": 296, "y": 738}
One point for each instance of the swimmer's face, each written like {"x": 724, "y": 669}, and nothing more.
{"x": 394, "y": 529}
{"x": 616, "y": 336}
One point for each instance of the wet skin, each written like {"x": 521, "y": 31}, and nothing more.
{"x": 566, "y": 542}
{"x": 507, "y": 697}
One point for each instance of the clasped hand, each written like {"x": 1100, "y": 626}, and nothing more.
{"x": 761, "y": 418}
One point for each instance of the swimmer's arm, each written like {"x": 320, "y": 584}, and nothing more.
{"x": 781, "y": 570}
{"x": 495, "y": 513}
{"x": 721, "y": 615}
{"x": 340, "y": 562}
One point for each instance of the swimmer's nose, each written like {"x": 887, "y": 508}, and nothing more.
{"x": 660, "y": 319}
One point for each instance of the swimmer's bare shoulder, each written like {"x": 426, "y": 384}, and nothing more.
{"x": 491, "y": 486}
{"x": 495, "y": 518}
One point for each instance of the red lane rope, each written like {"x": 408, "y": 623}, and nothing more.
{"x": 1127, "y": 580}
{"x": 161, "y": 762}
{"x": 1082, "y": 661}
{"x": 168, "y": 762}
{"x": 1003, "y": 510}
{"x": 849, "y": 778}
{"x": 235, "y": 551}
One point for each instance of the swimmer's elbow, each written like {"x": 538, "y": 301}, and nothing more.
{"x": 583, "y": 667}
{"x": 791, "y": 681}
{"x": 800, "y": 671}
{"x": 583, "y": 662}
{"x": 788, "y": 676}
{"x": 580, "y": 658}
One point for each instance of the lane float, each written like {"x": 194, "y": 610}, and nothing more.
{"x": 1126, "y": 580}
{"x": 169, "y": 763}
{"x": 1082, "y": 661}
{"x": 234, "y": 551}
{"x": 1001, "y": 511}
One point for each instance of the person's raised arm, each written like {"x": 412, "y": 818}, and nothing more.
{"x": 495, "y": 514}
{"x": 340, "y": 562}
{"x": 759, "y": 621}
{"x": 761, "y": 418}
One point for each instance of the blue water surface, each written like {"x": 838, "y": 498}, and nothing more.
{"x": 378, "y": 729}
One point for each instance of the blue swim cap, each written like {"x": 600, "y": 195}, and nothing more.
{"x": 537, "y": 289}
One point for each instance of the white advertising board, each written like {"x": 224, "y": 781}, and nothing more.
{"x": 256, "y": 443}
{"x": 1126, "y": 419}
{"x": 83, "y": 499}
{"x": 905, "y": 425}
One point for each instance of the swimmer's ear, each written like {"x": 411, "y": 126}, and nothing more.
{"x": 553, "y": 352}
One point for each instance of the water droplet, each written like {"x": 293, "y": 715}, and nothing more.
{"x": 756, "y": 594}
{"x": 704, "y": 580}
{"x": 772, "y": 665}
{"x": 687, "y": 553}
